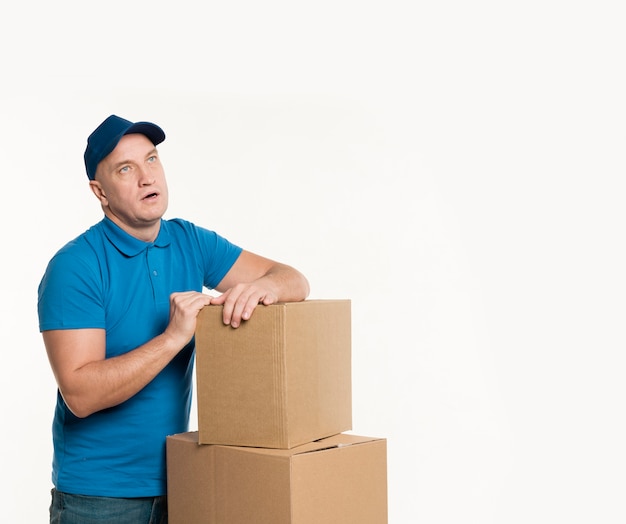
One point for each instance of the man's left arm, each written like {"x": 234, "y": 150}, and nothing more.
{"x": 254, "y": 280}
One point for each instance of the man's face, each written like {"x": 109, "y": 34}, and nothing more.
{"x": 130, "y": 184}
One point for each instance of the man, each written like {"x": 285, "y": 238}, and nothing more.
{"x": 117, "y": 310}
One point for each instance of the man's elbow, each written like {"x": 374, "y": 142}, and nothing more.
{"x": 304, "y": 287}
{"x": 77, "y": 405}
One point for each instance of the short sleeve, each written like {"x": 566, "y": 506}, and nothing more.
{"x": 70, "y": 294}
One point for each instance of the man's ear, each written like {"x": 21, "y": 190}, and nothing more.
{"x": 97, "y": 190}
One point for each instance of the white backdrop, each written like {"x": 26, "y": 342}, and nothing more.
{"x": 456, "y": 169}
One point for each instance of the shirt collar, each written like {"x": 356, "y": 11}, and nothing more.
{"x": 128, "y": 244}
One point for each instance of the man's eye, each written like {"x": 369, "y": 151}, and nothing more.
{"x": 152, "y": 158}
{"x": 124, "y": 169}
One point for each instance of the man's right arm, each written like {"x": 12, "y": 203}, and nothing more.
{"x": 89, "y": 382}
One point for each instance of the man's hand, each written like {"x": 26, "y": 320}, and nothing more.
{"x": 254, "y": 280}
{"x": 239, "y": 302}
{"x": 184, "y": 309}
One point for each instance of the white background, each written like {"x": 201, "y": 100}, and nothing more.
{"x": 456, "y": 169}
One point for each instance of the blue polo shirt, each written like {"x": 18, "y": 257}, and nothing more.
{"x": 108, "y": 279}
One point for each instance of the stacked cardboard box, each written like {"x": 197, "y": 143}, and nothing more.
{"x": 274, "y": 403}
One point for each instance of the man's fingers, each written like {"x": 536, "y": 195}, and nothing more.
{"x": 240, "y": 302}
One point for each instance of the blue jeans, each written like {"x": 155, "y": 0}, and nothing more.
{"x": 80, "y": 509}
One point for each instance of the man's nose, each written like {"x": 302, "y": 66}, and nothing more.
{"x": 146, "y": 176}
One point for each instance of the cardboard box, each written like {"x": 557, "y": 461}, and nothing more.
{"x": 338, "y": 480}
{"x": 282, "y": 379}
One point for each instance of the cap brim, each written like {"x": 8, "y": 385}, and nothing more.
{"x": 152, "y": 131}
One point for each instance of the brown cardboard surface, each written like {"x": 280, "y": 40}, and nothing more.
{"x": 340, "y": 479}
{"x": 283, "y": 378}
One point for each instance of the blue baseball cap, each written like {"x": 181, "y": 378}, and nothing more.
{"x": 106, "y": 136}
